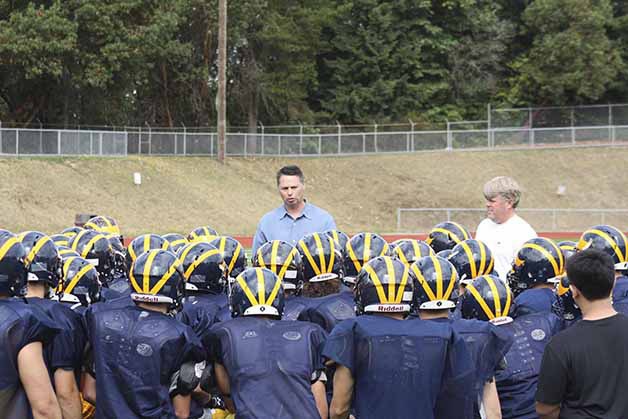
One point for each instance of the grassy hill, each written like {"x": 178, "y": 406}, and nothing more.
{"x": 363, "y": 193}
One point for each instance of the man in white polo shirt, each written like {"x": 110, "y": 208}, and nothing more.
{"x": 503, "y": 231}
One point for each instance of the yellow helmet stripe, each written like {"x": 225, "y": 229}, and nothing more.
{"x": 378, "y": 284}
{"x": 77, "y": 239}
{"x": 146, "y": 243}
{"x": 332, "y": 258}
{"x": 287, "y": 263}
{"x": 447, "y": 232}
{"x": 321, "y": 253}
{"x": 353, "y": 257}
{"x": 188, "y": 272}
{"x": 469, "y": 252}
{"x": 545, "y": 253}
{"x": 165, "y": 278}
{"x": 390, "y": 270}
{"x": 80, "y": 274}
{"x": 423, "y": 283}
{"x": 260, "y": 258}
{"x": 481, "y": 269}
{"x": 507, "y": 306}
{"x": 450, "y": 287}
{"x": 366, "y": 252}
{"x": 439, "y": 277}
{"x": 401, "y": 255}
{"x": 274, "y": 292}
{"x": 134, "y": 282}
{"x": 40, "y": 243}
{"x": 481, "y": 302}
{"x": 261, "y": 286}
{"x": 247, "y": 290}
{"x": 490, "y": 266}
{"x": 417, "y": 250}
{"x": 309, "y": 257}
{"x": 234, "y": 257}
{"x": 462, "y": 230}
{"x": 334, "y": 234}
{"x": 66, "y": 265}
{"x": 8, "y": 245}
{"x": 402, "y": 284}
{"x": 187, "y": 250}
{"x": 90, "y": 244}
{"x": 273, "y": 256}
{"x": 496, "y": 301}
{"x": 609, "y": 239}
{"x": 132, "y": 252}
{"x": 146, "y": 273}
{"x": 561, "y": 258}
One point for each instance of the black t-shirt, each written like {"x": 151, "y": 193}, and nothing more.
{"x": 585, "y": 370}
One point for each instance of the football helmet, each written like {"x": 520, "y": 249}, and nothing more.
{"x": 446, "y": 235}
{"x": 203, "y": 268}
{"x": 96, "y": 248}
{"x": 565, "y": 305}
{"x": 409, "y": 250}
{"x": 608, "y": 239}
{"x": 156, "y": 277}
{"x": 176, "y": 241}
{"x": 321, "y": 258}
{"x": 42, "y": 258}
{"x": 13, "y": 268}
{"x": 103, "y": 224}
{"x": 79, "y": 283}
{"x": 233, "y": 253}
{"x": 488, "y": 299}
{"x": 119, "y": 255}
{"x": 60, "y": 240}
{"x": 568, "y": 248}
{"x": 436, "y": 286}
{"x": 284, "y": 260}
{"x": 384, "y": 285}
{"x": 144, "y": 243}
{"x": 256, "y": 291}
{"x": 444, "y": 253}
{"x": 359, "y": 250}
{"x": 471, "y": 258}
{"x": 539, "y": 261}
{"x": 203, "y": 233}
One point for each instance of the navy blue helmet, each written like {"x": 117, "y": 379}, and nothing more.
{"x": 256, "y": 292}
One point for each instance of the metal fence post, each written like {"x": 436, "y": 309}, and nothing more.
{"x": 279, "y": 143}
{"x": 17, "y": 142}
{"x": 59, "y": 142}
{"x": 411, "y": 147}
{"x": 139, "y": 141}
{"x": 185, "y": 139}
{"x": 150, "y": 139}
{"x": 375, "y": 137}
{"x": 0, "y": 137}
{"x": 448, "y": 214}
{"x": 363, "y": 143}
{"x": 100, "y": 143}
{"x": 339, "y": 134}
{"x": 262, "y": 141}
{"x": 246, "y": 142}
{"x": 211, "y": 144}
{"x": 320, "y": 144}
{"x": 488, "y": 124}
{"x": 41, "y": 139}
{"x": 450, "y": 140}
{"x": 398, "y": 219}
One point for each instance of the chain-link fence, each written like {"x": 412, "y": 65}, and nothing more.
{"x": 542, "y": 219}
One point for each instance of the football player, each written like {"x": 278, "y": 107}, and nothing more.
{"x": 435, "y": 295}
{"x": 25, "y": 387}
{"x": 446, "y": 235}
{"x": 389, "y": 367}
{"x": 145, "y": 362}
{"x": 489, "y": 299}
{"x": 268, "y": 367}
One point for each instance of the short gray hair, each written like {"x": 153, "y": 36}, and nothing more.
{"x": 505, "y": 186}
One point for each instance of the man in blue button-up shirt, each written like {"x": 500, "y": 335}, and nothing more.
{"x": 296, "y": 217}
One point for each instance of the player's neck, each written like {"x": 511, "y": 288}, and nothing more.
{"x": 160, "y": 308}
{"x": 396, "y": 316}
{"x": 35, "y": 290}
{"x": 433, "y": 314}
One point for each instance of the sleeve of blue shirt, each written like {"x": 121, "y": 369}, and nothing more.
{"x": 339, "y": 345}
{"x": 319, "y": 336}
{"x": 38, "y": 327}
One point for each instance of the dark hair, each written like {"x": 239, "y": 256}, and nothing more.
{"x": 321, "y": 289}
{"x": 290, "y": 171}
{"x": 592, "y": 272}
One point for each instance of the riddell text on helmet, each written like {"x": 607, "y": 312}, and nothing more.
{"x": 386, "y": 308}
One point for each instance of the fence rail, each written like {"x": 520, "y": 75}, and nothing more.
{"x": 542, "y": 219}
{"x": 50, "y": 142}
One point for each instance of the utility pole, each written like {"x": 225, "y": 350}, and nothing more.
{"x": 222, "y": 75}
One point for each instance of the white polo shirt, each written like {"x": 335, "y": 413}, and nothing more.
{"x": 504, "y": 240}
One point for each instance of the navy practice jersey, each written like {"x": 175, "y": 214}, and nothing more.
{"x": 120, "y": 285}
{"x": 487, "y": 346}
{"x": 517, "y": 381}
{"x": 535, "y": 300}
{"x": 329, "y": 310}
{"x": 620, "y": 295}
{"x": 135, "y": 353}
{"x": 20, "y": 325}
{"x": 402, "y": 367}
{"x": 66, "y": 349}
{"x": 270, "y": 364}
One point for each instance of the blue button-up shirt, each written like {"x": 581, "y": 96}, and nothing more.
{"x": 279, "y": 225}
